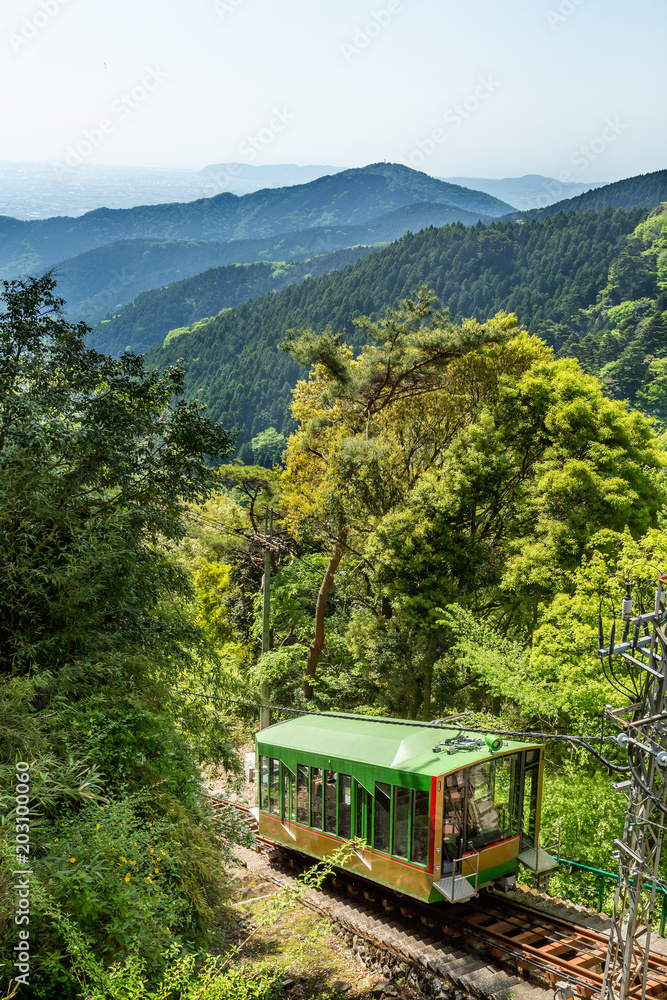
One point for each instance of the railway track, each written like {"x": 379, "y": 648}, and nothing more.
{"x": 550, "y": 948}
{"x": 217, "y": 803}
{"x": 461, "y": 943}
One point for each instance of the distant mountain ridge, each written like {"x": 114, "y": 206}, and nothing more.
{"x": 44, "y": 190}
{"x": 527, "y": 192}
{"x": 642, "y": 191}
{"x": 149, "y": 317}
{"x": 99, "y": 281}
{"x": 351, "y": 197}
{"x": 171, "y": 304}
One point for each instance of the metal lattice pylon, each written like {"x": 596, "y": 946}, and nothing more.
{"x": 643, "y": 726}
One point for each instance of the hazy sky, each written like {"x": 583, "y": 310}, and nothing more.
{"x": 569, "y": 88}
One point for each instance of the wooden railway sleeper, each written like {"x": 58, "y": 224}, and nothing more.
{"x": 585, "y": 982}
{"x": 482, "y": 926}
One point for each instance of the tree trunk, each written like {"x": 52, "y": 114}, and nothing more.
{"x": 317, "y": 644}
{"x": 433, "y": 653}
{"x": 426, "y": 700}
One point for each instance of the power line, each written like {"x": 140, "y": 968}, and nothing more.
{"x": 576, "y": 740}
{"x": 423, "y": 725}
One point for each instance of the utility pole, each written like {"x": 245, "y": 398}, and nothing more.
{"x": 265, "y": 714}
{"x": 643, "y": 731}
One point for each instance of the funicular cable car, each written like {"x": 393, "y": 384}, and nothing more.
{"x": 442, "y": 811}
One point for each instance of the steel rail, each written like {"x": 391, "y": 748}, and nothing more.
{"x": 217, "y": 802}
{"x": 494, "y": 924}
{"x": 509, "y": 923}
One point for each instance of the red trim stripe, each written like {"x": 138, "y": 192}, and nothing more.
{"x": 431, "y": 839}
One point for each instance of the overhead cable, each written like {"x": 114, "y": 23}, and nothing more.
{"x": 577, "y": 740}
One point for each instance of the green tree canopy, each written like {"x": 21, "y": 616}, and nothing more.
{"x": 267, "y": 447}
{"x": 96, "y": 468}
{"x": 462, "y": 465}
{"x": 370, "y": 426}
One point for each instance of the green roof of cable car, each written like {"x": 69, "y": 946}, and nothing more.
{"x": 386, "y": 743}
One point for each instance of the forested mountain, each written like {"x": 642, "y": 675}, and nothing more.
{"x": 623, "y": 338}
{"x": 352, "y": 197}
{"x": 169, "y": 243}
{"x": 643, "y": 191}
{"x": 95, "y": 283}
{"x": 545, "y": 272}
{"x": 147, "y": 321}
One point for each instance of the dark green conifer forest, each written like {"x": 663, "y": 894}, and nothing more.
{"x": 545, "y": 272}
